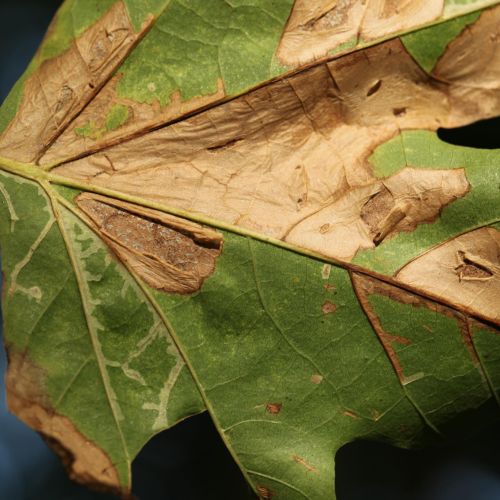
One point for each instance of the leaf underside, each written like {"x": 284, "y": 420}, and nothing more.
{"x": 243, "y": 208}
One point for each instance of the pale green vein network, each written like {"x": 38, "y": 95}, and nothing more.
{"x": 151, "y": 342}
{"x": 52, "y": 330}
{"x": 92, "y": 329}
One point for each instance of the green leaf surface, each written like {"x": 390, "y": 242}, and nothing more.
{"x": 195, "y": 223}
{"x": 107, "y": 358}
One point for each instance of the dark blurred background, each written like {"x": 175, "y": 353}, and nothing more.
{"x": 189, "y": 462}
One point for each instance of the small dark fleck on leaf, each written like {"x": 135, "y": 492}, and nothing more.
{"x": 374, "y": 88}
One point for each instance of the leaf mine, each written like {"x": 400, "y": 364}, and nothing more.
{"x": 169, "y": 253}
{"x": 418, "y": 346}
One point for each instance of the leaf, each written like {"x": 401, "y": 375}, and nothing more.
{"x": 242, "y": 207}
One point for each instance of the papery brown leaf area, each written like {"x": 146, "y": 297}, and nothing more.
{"x": 465, "y": 270}
{"x": 169, "y": 253}
{"x": 57, "y": 91}
{"x": 305, "y": 141}
{"x": 85, "y": 462}
{"x": 315, "y": 28}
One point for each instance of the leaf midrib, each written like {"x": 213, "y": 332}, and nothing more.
{"x": 171, "y": 331}
{"x": 34, "y": 173}
{"x": 101, "y": 363}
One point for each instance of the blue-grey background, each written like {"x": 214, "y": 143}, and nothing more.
{"x": 189, "y": 462}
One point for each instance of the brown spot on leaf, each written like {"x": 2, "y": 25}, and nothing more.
{"x": 316, "y": 378}
{"x": 302, "y": 462}
{"x": 376, "y": 210}
{"x": 168, "y": 253}
{"x": 273, "y": 408}
{"x": 264, "y": 492}
{"x": 60, "y": 88}
{"x": 351, "y": 414}
{"x": 224, "y": 145}
{"x": 399, "y": 111}
{"x": 85, "y": 462}
{"x": 464, "y": 271}
{"x": 324, "y": 228}
{"x": 328, "y": 307}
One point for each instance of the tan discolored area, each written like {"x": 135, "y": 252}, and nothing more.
{"x": 168, "y": 253}
{"x": 58, "y": 90}
{"x": 328, "y": 307}
{"x": 366, "y": 216}
{"x": 290, "y": 160}
{"x": 464, "y": 271}
{"x": 316, "y": 28}
{"x": 474, "y": 68}
{"x": 471, "y": 64}
{"x": 85, "y": 462}
{"x": 468, "y": 97}
{"x": 142, "y": 117}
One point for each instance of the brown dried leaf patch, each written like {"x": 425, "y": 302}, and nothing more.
{"x": 302, "y": 461}
{"x": 464, "y": 271}
{"x": 264, "y": 492}
{"x": 273, "y": 408}
{"x": 142, "y": 117}
{"x": 168, "y": 253}
{"x": 290, "y": 160}
{"x": 58, "y": 90}
{"x": 85, "y": 462}
{"x": 316, "y": 28}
